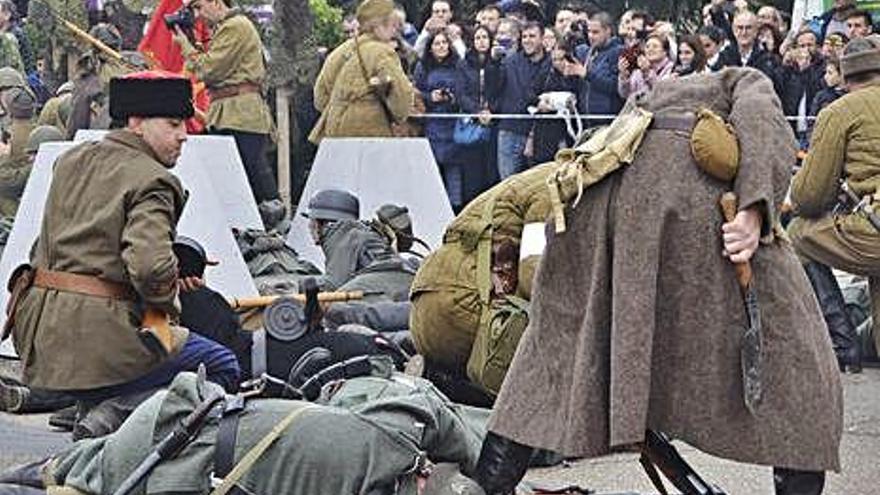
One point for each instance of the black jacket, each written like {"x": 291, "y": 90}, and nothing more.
{"x": 768, "y": 63}
{"x": 799, "y": 83}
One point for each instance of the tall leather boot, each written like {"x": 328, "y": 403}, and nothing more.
{"x": 841, "y": 329}
{"x": 502, "y": 464}
{"x": 794, "y": 482}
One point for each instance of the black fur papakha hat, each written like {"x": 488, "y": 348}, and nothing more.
{"x": 151, "y": 94}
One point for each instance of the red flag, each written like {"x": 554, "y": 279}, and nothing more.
{"x": 163, "y": 53}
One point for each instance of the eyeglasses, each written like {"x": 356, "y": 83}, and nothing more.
{"x": 746, "y": 27}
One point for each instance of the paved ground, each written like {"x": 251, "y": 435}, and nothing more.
{"x": 26, "y": 438}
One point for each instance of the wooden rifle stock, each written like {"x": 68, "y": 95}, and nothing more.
{"x": 323, "y": 297}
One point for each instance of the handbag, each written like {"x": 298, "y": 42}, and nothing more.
{"x": 468, "y": 131}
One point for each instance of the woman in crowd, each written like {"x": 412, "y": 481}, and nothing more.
{"x": 477, "y": 80}
{"x": 652, "y": 66}
{"x": 691, "y": 56}
{"x": 435, "y": 78}
{"x": 712, "y": 40}
{"x": 548, "y": 136}
{"x": 834, "y": 44}
{"x": 550, "y": 39}
{"x": 770, "y": 40}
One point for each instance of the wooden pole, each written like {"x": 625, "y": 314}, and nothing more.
{"x": 282, "y": 104}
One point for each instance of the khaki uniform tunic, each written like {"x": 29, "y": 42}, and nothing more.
{"x": 845, "y": 145}
{"x": 348, "y": 106}
{"x": 235, "y": 56}
{"x": 111, "y": 213}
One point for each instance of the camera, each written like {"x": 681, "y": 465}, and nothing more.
{"x": 183, "y": 18}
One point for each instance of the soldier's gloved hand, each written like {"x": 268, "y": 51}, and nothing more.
{"x": 741, "y": 236}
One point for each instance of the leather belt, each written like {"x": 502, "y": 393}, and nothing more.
{"x": 234, "y": 90}
{"x": 83, "y": 284}
{"x": 676, "y": 122}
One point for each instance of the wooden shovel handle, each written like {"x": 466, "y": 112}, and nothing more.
{"x": 728, "y": 203}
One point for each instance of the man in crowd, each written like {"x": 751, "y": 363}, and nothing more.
{"x": 489, "y": 16}
{"x": 234, "y": 72}
{"x": 564, "y": 18}
{"x": 859, "y": 24}
{"x": 362, "y": 90}
{"x": 834, "y": 20}
{"x": 103, "y": 260}
{"x": 746, "y": 52}
{"x": 802, "y": 77}
{"x": 519, "y": 73}
{"x": 827, "y": 236}
{"x": 599, "y": 72}
{"x": 635, "y": 302}
{"x": 441, "y": 18}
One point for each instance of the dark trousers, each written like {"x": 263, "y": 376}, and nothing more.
{"x": 252, "y": 149}
{"x": 220, "y": 363}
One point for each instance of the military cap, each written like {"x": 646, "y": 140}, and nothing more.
{"x": 191, "y": 256}
{"x": 65, "y": 88}
{"x": 371, "y": 10}
{"x": 42, "y": 134}
{"x": 860, "y": 56}
{"x": 19, "y": 103}
{"x": 11, "y": 78}
{"x": 333, "y": 204}
{"x": 151, "y": 94}
{"x": 394, "y": 215}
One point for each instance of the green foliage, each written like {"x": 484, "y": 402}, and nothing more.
{"x": 328, "y": 23}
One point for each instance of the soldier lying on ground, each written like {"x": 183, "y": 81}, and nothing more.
{"x": 370, "y": 435}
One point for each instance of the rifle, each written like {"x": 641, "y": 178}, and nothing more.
{"x": 659, "y": 453}
{"x": 88, "y": 38}
{"x": 863, "y": 205}
{"x": 174, "y": 442}
{"x": 323, "y": 297}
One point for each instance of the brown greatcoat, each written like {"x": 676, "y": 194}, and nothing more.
{"x": 637, "y": 317}
{"x": 348, "y": 105}
{"x": 111, "y": 212}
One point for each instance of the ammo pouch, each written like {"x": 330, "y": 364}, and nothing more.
{"x": 496, "y": 342}
{"x": 20, "y": 281}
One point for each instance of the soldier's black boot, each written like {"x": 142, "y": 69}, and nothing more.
{"x": 794, "y": 482}
{"x": 502, "y": 464}
{"x": 840, "y": 327}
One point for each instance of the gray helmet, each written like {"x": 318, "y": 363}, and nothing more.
{"x": 333, "y": 204}
{"x": 11, "y": 78}
{"x": 42, "y": 134}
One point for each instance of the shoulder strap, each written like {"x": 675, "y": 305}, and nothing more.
{"x": 373, "y": 89}
{"x": 254, "y": 454}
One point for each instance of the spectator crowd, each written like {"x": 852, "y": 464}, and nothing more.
{"x": 516, "y": 59}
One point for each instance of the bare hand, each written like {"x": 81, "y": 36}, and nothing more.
{"x": 190, "y": 284}
{"x": 485, "y": 117}
{"x": 575, "y": 69}
{"x": 643, "y": 63}
{"x": 742, "y": 235}
{"x": 437, "y": 96}
{"x": 623, "y": 65}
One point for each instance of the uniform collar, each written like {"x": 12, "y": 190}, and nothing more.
{"x": 129, "y": 139}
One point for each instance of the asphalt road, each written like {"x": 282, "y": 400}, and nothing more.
{"x": 27, "y": 438}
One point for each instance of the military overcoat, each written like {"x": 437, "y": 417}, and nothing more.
{"x": 637, "y": 317}
{"x": 349, "y": 108}
{"x": 111, "y": 213}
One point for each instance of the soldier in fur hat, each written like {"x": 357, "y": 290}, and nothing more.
{"x": 103, "y": 259}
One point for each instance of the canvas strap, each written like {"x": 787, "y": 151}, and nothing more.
{"x": 254, "y": 454}
{"x": 373, "y": 89}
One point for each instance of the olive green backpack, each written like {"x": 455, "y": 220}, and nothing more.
{"x": 496, "y": 342}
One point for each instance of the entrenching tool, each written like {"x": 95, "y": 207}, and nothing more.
{"x": 752, "y": 346}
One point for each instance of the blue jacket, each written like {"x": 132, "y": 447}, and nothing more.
{"x": 519, "y": 75}
{"x": 598, "y": 92}
{"x": 439, "y": 131}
